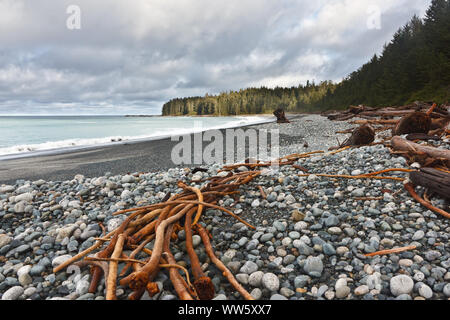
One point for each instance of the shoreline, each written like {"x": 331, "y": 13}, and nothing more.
{"x": 96, "y": 160}
{"x": 76, "y": 148}
{"x": 149, "y": 155}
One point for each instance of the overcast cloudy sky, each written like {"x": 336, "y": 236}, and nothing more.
{"x": 132, "y": 56}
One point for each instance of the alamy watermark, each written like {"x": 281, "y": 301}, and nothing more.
{"x": 226, "y": 146}
{"x": 73, "y": 22}
{"x": 374, "y": 19}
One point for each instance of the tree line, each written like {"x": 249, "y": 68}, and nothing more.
{"x": 415, "y": 65}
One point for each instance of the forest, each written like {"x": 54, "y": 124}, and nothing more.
{"x": 413, "y": 66}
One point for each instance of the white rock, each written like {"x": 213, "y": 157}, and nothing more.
{"x": 79, "y": 178}
{"x": 256, "y": 278}
{"x": 82, "y": 287}
{"x": 401, "y": 284}
{"x": 74, "y": 204}
{"x": 361, "y": 290}
{"x": 13, "y": 293}
{"x": 65, "y": 232}
{"x": 222, "y": 174}
{"x": 255, "y": 203}
{"x": 98, "y": 181}
{"x": 342, "y": 292}
{"x": 341, "y": 250}
{"x": 446, "y": 290}
{"x": 301, "y": 225}
{"x": 29, "y": 291}
{"x": 19, "y": 207}
{"x": 329, "y": 294}
{"x": 338, "y": 195}
{"x": 39, "y": 182}
{"x": 341, "y": 282}
{"x": 113, "y": 224}
{"x": 334, "y": 230}
{"x": 419, "y": 276}
{"x": 256, "y": 293}
{"x": 60, "y": 259}
{"x": 126, "y": 194}
{"x": 25, "y": 279}
{"x": 415, "y": 165}
{"x": 290, "y": 199}
{"x": 7, "y": 189}
{"x": 374, "y": 281}
{"x": 418, "y": 235}
{"x": 196, "y": 240}
{"x": 24, "y": 270}
{"x": 4, "y": 240}
{"x": 27, "y": 197}
{"x": 242, "y": 278}
{"x": 405, "y": 262}
{"x": 271, "y": 281}
{"x": 128, "y": 179}
{"x": 425, "y": 291}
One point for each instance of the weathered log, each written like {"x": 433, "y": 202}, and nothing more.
{"x": 281, "y": 117}
{"x": 356, "y": 109}
{"x": 394, "y": 113}
{"x": 401, "y": 144}
{"x": 341, "y": 117}
{"x": 444, "y": 110}
{"x": 439, "y": 123}
{"x": 362, "y": 135}
{"x": 435, "y": 180}
{"x": 425, "y": 155}
{"x": 421, "y": 136}
{"x": 381, "y": 122}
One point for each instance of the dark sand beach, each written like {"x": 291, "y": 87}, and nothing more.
{"x": 123, "y": 158}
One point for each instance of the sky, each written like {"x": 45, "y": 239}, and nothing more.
{"x": 130, "y": 57}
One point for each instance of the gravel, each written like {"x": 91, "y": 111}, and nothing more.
{"x": 310, "y": 240}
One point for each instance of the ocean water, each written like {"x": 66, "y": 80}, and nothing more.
{"x": 24, "y": 135}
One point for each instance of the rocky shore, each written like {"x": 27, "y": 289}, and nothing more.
{"x": 311, "y": 237}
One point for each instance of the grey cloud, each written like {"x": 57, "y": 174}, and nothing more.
{"x": 131, "y": 57}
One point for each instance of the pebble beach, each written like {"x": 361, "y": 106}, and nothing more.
{"x": 311, "y": 237}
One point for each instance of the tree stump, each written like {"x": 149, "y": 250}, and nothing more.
{"x": 281, "y": 117}
{"x": 417, "y": 122}
{"x": 362, "y": 135}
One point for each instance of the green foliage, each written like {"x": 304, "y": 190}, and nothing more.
{"x": 415, "y": 65}
{"x": 252, "y": 101}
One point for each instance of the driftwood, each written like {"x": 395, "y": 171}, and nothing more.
{"x": 363, "y": 135}
{"x": 421, "y": 136}
{"x": 410, "y": 188}
{"x": 281, "y": 117}
{"x": 387, "y": 112}
{"x": 394, "y": 113}
{"x": 381, "y": 122}
{"x": 404, "y": 145}
{"x": 434, "y": 180}
{"x": 351, "y": 112}
{"x": 439, "y": 123}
